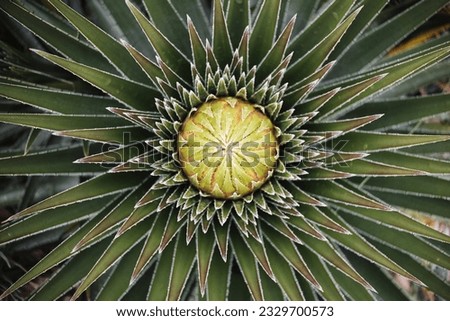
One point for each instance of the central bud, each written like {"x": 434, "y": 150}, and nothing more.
{"x": 228, "y": 148}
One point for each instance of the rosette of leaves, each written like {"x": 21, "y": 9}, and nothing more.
{"x": 313, "y": 207}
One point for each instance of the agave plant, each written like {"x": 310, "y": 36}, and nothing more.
{"x": 236, "y": 149}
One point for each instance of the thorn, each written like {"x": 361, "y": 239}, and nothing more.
{"x": 320, "y": 204}
{"x": 124, "y": 43}
{"x": 4, "y": 295}
{"x": 315, "y": 283}
{"x": 132, "y": 279}
{"x": 77, "y": 247}
{"x": 59, "y": 134}
{"x": 123, "y": 229}
{"x": 202, "y": 289}
{"x": 295, "y": 239}
{"x": 9, "y": 219}
{"x": 189, "y": 21}
{"x": 128, "y": 2}
{"x": 37, "y": 51}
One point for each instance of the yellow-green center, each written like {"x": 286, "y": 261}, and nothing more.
{"x": 228, "y": 148}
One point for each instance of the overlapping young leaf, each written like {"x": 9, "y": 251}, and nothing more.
{"x": 348, "y": 165}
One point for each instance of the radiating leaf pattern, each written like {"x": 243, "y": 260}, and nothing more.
{"x": 326, "y": 222}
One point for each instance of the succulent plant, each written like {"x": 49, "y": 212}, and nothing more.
{"x": 235, "y": 149}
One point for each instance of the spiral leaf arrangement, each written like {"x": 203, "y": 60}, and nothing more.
{"x": 235, "y": 150}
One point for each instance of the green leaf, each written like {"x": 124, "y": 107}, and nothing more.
{"x": 259, "y": 252}
{"x": 115, "y": 155}
{"x": 138, "y": 290}
{"x": 152, "y": 244}
{"x": 64, "y": 102}
{"x": 434, "y": 283}
{"x": 51, "y": 219}
{"x": 392, "y": 75}
{"x": 271, "y": 288}
{"x": 327, "y": 252}
{"x": 295, "y": 97}
{"x": 316, "y": 103}
{"x": 64, "y": 43}
{"x": 398, "y": 220}
{"x": 71, "y": 273}
{"x": 221, "y": 38}
{"x": 404, "y": 241}
{"x": 320, "y": 28}
{"x": 429, "y": 205}
{"x": 276, "y": 53}
{"x": 31, "y": 139}
{"x": 284, "y": 275}
{"x": 222, "y": 234}
{"x": 264, "y": 29}
{"x": 36, "y": 163}
{"x": 117, "y": 249}
{"x": 429, "y": 165}
{"x": 422, "y": 78}
{"x": 130, "y": 93}
{"x": 248, "y": 266}
{"x": 196, "y": 12}
{"x": 324, "y": 174}
{"x": 205, "y": 250}
{"x": 347, "y": 94}
{"x": 303, "y": 225}
{"x": 322, "y": 275}
{"x": 116, "y": 19}
{"x": 183, "y": 261}
{"x": 304, "y": 10}
{"x": 314, "y": 214}
{"x": 381, "y": 282}
{"x": 290, "y": 254}
{"x": 152, "y": 70}
{"x": 163, "y": 47}
{"x": 62, "y": 122}
{"x": 421, "y": 186}
{"x": 352, "y": 288}
{"x": 376, "y": 43}
{"x": 362, "y": 247}
{"x": 369, "y": 12}
{"x": 171, "y": 230}
{"x": 238, "y": 18}
{"x": 169, "y": 23}
{"x": 94, "y": 188}
{"x": 150, "y": 196}
{"x": 315, "y": 57}
{"x": 107, "y": 45}
{"x": 113, "y": 135}
{"x": 219, "y": 278}
{"x": 341, "y": 125}
{"x": 161, "y": 277}
{"x": 302, "y": 197}
{"x": 366, "y": 168}
{"x": 281, "y": 226}
{"x": 62, "y": 252}
{"x": 337, "y": 193}
{"x": 433, "y": 149}
{"x": 433, "y": 128}
{"x": 117, "y": 214}
{"x": 140, "y": 213}
{"x": 47, "y": 13}
{"x": 198, "y": 49}
{"x": 405, "y": 110}
{"x": 405, "y": 49}
{"x": 118, "y": 282}
{"x": 361, "y": 141}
